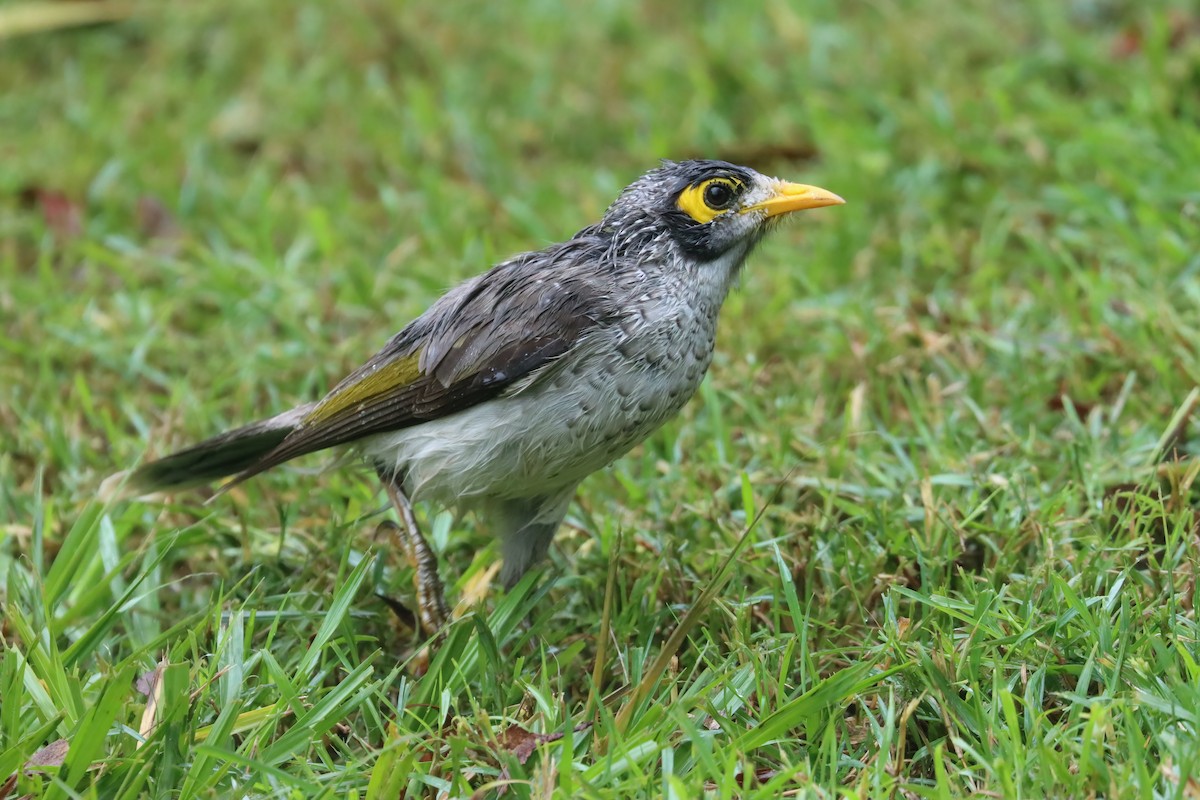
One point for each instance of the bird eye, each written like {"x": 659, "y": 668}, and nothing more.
{"x": 718, "y": 195}
{"x": 708, "y": 199}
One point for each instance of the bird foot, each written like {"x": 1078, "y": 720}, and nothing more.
{"x": 431, "y": 614}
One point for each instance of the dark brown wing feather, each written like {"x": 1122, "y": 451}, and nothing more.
{"x": 476, "y": 341}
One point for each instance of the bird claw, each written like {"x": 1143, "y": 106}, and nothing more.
{"x": 432, "y": 611}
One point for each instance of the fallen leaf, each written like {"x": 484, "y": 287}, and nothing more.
{"x": 52, "y": 755}
{"x": 521, "y": 744}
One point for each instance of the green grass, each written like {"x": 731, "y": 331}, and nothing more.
{"x": 957, "y": 410}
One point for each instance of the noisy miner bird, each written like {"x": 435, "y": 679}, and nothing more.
{"x": 519, "y": 383}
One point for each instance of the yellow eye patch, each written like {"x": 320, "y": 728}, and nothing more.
{"x": 706, "y": 200}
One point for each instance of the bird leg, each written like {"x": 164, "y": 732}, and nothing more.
{"x": 431, "y": 598}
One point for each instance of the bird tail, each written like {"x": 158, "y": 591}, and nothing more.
{"x": 226, "y": 454}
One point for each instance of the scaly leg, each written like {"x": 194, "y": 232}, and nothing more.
{"x": 431, "y": 597}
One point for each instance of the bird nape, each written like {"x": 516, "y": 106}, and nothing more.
{"x": 520, "y": 382}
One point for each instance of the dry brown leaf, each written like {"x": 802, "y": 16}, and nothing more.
{"x": 521, "y": 744}
{"x": 51, "y": 755}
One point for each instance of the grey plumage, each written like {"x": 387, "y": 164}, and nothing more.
{"x": 221, "y": 456}
{"x": 520, "y": 382}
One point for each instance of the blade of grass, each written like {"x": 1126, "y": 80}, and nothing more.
{"x": 675, "y": 640}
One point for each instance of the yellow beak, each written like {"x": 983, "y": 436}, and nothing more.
{"x": 789, "y": 197}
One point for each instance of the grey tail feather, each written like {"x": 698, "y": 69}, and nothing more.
{"x": 226, "y": 454}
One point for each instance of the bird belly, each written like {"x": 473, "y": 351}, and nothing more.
{"x": 588, "y": 410}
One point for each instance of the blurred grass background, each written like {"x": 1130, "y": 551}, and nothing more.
{"x": 961, "y": 403}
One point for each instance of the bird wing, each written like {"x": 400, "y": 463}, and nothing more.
{"x": 472, "y": 345}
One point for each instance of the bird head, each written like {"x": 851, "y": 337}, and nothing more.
{"x": 710, "y": 209}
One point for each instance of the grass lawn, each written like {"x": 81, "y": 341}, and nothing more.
{"x": 929, "y": 530}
